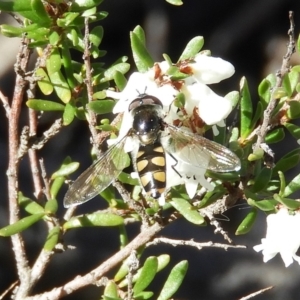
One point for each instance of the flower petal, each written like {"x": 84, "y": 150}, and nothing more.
{"x": 208, "y": 69}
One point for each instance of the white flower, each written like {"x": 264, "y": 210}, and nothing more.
{"x": 208, "y": 69}
{"x": 190, "y": 176}
{"x": 283, "y": 236}
{"x": 140, "y": 83}
{"x": 212, "y": 108}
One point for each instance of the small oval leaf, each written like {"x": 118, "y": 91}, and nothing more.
{"x": 147, "y": 274}
{"x": 44, "y": 105}
{"x": 51, "y": 206}
{"x": 292, "y": 187}
{"x": 261, "y": 180}
{"x": 44, "y": 83}
{"x": 52, "y": 238}
{"x": 95, "y": 219}
{"x": 20, "y": 225}
{"x": 246, "y": 108}
{"x": 187, "y": 210}
{"x": 247, "y": 223}
{"x": 101, "y": 106}
{"x": 66, "y": 169}
{"x": 29, "y": 205}
{"x": 174, "y": 280}
{"x": 289, "y": 203}
{"x": 192, "y": 48}
{"x": 56, "y": 186}
{"x": 141, "y": 56}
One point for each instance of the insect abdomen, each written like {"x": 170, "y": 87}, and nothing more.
{"x": 151, "y": 167}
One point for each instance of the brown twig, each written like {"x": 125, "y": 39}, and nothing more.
{"x": 13, "y": 170}
{"x": 192, "y": 243}
{"x": 263, "y": 129}
{"x": 95, "y": 275}
{"x": 5, "y": 103}
{"x": 252, "y": 295}
{"x": 92, "y": 120}
{"x": 33, "y": 157}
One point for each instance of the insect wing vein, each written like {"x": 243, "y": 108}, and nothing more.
{"x": 98, "y": 176}
{"x": 198, "y": 151}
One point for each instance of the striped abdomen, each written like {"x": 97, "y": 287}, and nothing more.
{"x": 151, "y": 167}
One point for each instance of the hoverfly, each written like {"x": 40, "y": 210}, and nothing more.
{"x": 154, "y": 138}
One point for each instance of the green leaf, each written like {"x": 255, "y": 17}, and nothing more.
{"x": 292, "y": 187}
{"x": 110, "y": 72}
{"x": 286, "y": 163}
{"x": 212, "y": 197}
{"x": 52, "y": 238}
{"x": 53, "y": 62}
{"x": 44, "y": 105}
{"x": 56, "y": 186}
{"x": 141, "y": 56}
{"x": 32, "y": 207}
{"x": 44, "y": 83}
{"x": 61, "y": 86}
{"x": 264, "y": 205}
{"x": 20, "y": 225}
{"x": 140, "y": 33}
{"x": 287, "y": 85}
{"x": 282, "y": 183}
{"x": 187, "y": 210}
{"x": 29, "y": 9}
{"x": 39, "y": 9}
{"x": 126, "y": 178}
{"x": 122, "y": 272}
{"x": 294, "y": 110}
{"x": 143, "y": 295}
{"x": 163, "y": 261}
{"x": 293, "y": 129}
{"x": 262, "y": 180}
{"x": 111, "y": 290}
{"x": 257, "y": 116}
{"x": 69, "y": 114}
{"x": 264, "y": 92}
{"x": 147, "y": 274}
{"x": 68, "y": 65}
{"x": 246, "y": 109}
{"x": 95, "y": 219}
{"x": 84, "y": 5}
{"x": 294, "y": 79}
{"x": 174, "y": 280}
{"x": 120, "y": 80}
{"x": 66, "y": 169}
{"x": 175, "y": 2}
{"x": 233, "y": 97}
{"x": 247, "y": 223}
{"x": 256, "y": 155}
{"x": 101, "y": 106}
{"x": 192, "y": 48}
{"x": 289, "y": 203}
{"x": 275, "y": 136}
{"x": 96, "y": 35}
{"x": 51, "y": 207}
{"x": 298, "y": 43}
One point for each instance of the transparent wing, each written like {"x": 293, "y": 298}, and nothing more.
{"x": 198, "y": 151}
{"x": 98, "y": 176}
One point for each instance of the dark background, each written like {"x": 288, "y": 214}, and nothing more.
{"x": 249, "y": 34}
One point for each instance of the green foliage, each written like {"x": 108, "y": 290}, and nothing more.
{"x": 81, "y": 90}
{"x": 95, "y": 219}
{"x": 21, "y": 225}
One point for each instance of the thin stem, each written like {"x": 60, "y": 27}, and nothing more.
{"x": 13, "y": 164}
{"x": 261, "y": 134}
{"x": 95, "y": 275}
{"x": 33, "y": 157}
